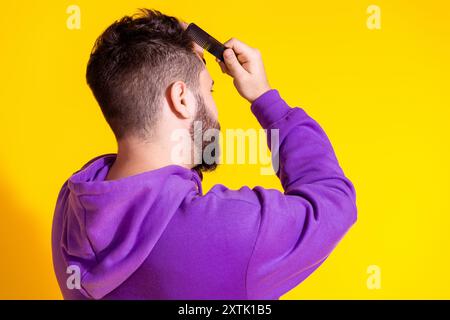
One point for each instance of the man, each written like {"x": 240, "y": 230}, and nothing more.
{"x": 136, "y": 224}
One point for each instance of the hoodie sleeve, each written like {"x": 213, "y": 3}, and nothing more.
{"x": 299, "y": 228}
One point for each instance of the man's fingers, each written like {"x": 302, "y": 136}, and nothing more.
{"x": 238, "y": 46}
{"x": 245, "y": 65}
{"x": 184, "y": 25}
{"x": 231, "y": 62}
{"x": 222, "y": 66}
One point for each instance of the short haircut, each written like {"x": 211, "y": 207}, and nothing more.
{"x": 131, "y": 65}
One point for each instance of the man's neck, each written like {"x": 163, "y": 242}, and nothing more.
{"x": 134, "y": 157}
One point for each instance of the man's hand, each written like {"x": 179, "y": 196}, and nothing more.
{"x": 245, "y": 65}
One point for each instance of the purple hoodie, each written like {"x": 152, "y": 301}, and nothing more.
{"x": 155, "y": 235}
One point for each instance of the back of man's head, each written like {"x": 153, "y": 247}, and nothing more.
{"x": 132, "y": 64}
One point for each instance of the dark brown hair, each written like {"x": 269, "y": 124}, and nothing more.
{"x": 131, "y": 65}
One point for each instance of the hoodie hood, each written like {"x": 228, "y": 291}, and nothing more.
{"x": 108, "y": 228}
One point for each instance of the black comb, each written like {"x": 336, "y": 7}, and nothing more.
{"x": 204, "y": 40}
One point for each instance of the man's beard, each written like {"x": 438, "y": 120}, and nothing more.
{"x": 204, "y": 117}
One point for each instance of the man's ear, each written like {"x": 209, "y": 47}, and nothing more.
{"x": 180, "y": 100}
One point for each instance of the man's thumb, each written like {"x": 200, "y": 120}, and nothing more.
{"x": 232, "y": 63}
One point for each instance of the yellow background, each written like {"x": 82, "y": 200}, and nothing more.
{"x": 381, "y": 95}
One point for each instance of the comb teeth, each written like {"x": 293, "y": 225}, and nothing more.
{"x": 204, "y": 40}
